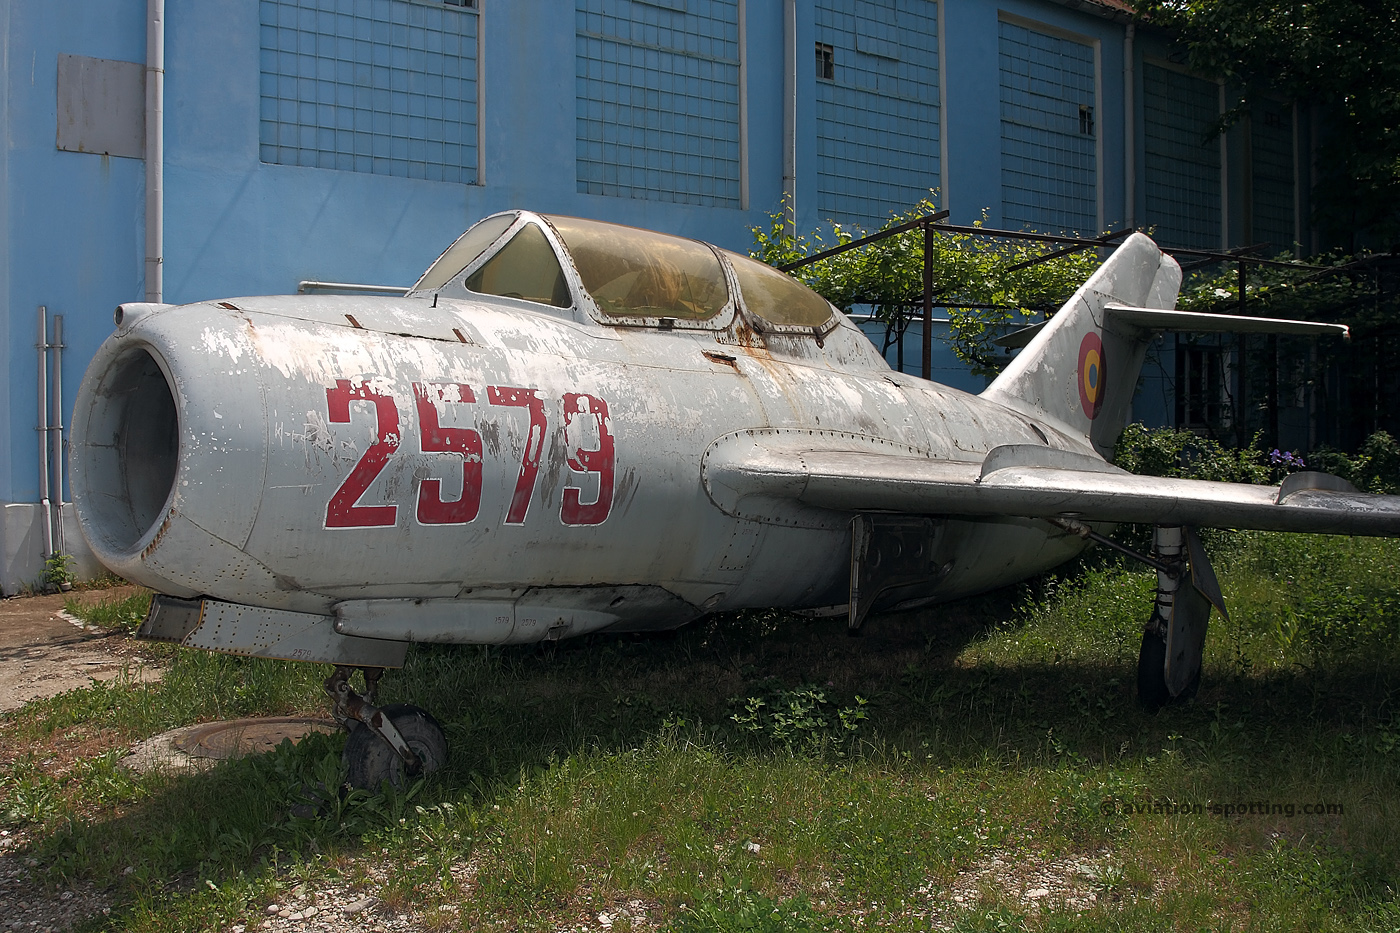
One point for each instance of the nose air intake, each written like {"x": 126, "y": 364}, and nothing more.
{"x": 125, "y": 472}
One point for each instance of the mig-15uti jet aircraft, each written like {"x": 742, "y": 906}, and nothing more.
{"x": 569, "y": 426}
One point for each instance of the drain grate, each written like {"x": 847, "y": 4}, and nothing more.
{"x": 238, "y": 737}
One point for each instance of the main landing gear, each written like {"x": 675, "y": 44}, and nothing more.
{"x": 387, "y": 743}
{"x": 1169, "y": 660}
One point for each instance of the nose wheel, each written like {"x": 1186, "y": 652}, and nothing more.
{"x": 371, "y": 760}
{"x": 391, "y": 743}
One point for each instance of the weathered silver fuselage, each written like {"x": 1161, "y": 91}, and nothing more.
{"x": 314, "y": 455}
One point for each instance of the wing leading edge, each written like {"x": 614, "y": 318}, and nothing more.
{"x": 852, "y": 475}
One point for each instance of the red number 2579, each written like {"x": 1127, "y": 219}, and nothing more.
{"x": 579, "y": 409}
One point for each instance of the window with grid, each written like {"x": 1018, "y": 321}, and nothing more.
{"x": 1202, "y": 385}
{"x": 1181, "y": 162}
{"x": 877, "y": 107}
{"x": 658, "y": 99}
{"x": 1049, "y": 165}
{"x": 381, "y": 86}
{"x": 1271, "y": 139}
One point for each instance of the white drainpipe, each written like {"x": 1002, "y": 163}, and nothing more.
{"x": 155, "y": 148}
{"x": 59, "y": 546}
{"x": 45, "y": 504}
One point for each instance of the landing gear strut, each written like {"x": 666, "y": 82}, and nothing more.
{"x": 389, "y": 743}
{"x": 1173, "y": 641}
{"x": 1169, "y": 661}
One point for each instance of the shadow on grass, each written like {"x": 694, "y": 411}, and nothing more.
{"x": 900, "y": 700}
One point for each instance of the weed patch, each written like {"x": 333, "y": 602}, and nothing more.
{"x": 123, "y": 613}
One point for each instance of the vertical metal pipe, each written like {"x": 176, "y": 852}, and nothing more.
{"x": 1247, "y": 180}
{"x": 155, "y": 149}
{"x": 1241, "y": 373}
{"x": 945, "y": 201}
{"x": 43, "y": 430}
{"x": 790, "y": 112}
{"x": 1224, "y": 173}
{"x": 481, "y": 94}
{"x": 1129, "y": 129}
{"x": 1314, "y": 378}
{"x": 1273, "y": 390}
{"x": 743, "y": 106}
{"x": 1297, "y": 187}
{"x": 56, "y": 434}
{"x": 1099, "y": 121}
{"x": 928, "y": 302}
{"x": 903, "y": 325}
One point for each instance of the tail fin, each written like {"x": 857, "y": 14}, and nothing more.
{"x": 1080, "y": 369}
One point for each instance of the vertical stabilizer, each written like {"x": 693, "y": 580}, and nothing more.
{"x": 1081, "y": 369}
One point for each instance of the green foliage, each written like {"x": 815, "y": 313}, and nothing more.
{"x": 58, "y": 571}
{"x": 801, "y": 719}
{"x": 122, "y": 613}
{"x": 196, "y": 685}
{"x": 1297, "y": 291}
{"x": 1375, "y": 468}
{"x": 1336, "y": 54}
{"x": 742, "y": 910}
{"x": 27, "y": 794}
{"x": 1095, "y": 617}
{"x": 1169, "y": 452}
{"x": 973, "y": 278}
{"x": 996, "y": 920}
{"x": 1322, "y": 599}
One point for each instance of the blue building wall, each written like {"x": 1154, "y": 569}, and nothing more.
{"x": 878, "y": 135}
{"x": 1181, "y": 162}
{"x": 352, "y": 140}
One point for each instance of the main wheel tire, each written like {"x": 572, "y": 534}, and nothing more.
{"x": 1189, "y": 692}
{"x": 370, "y": 760}
{"x": 1151, "y": 674}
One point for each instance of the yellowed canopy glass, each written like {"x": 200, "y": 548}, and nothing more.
{"x": 638, "y": 273}
{"x": 778, "y": 298}
{"x": 527, "y": 268}
{"x": 464, "y": 250}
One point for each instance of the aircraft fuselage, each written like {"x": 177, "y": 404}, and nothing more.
{"x": 337, "y": 452}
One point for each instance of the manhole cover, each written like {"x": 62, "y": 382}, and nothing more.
{"x": 238, "y": 737}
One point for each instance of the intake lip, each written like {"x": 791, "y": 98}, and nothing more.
{"x": 130, "y": 313}
{"x": 126, "y": 451}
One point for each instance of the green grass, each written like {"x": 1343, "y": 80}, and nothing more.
{"x": 764, "y": 772}
{"x": 121, "y": 613}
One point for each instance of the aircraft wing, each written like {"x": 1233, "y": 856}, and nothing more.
{"x": 747, "y": 471}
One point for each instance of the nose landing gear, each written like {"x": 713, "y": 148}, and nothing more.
{"x": 389, "y": 743}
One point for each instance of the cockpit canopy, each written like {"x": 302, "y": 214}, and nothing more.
{"x": 618, "y": 274}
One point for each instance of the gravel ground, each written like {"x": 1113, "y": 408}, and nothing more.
{"x": 25, "y": 904}
{"x": 44, "y": 651}
{"x": 331, "y": 909}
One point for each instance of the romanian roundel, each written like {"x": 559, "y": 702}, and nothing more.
{"x": 1093, "y": 375}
